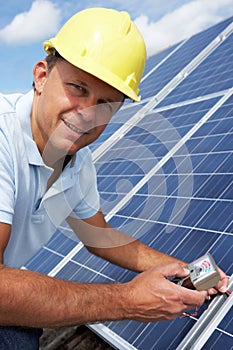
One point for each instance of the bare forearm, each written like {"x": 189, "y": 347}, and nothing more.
{"x": 135, "y": 256}
{"x": 35, "y": 300}
{"x": 115, "y": 246}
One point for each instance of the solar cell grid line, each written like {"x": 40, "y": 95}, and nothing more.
{"x": 176, "y": 63}
{"x": 150, "y": 123}
{"x": 114, "y": 340}
{"x": 216, "y": 168}
{"x": 117, "y": 121}
{"x": 51, "y": 257}
{"x": 194, "y": 64}
{"x": 65, "y": 259}
{"x": 167, "y": 156}
{"x": 72, "y": 270}
{"x": 152, "y": 335}
{"x": 103, "y": 268}
{"x": 120, "y": 131}
{"x": 191, "y": 65}
{"x": 215, "y": 162}
{"x": 206, "y": 98}
{"x": 212, "y": 75}
{"x": 153, "y": 62}
{"x": 220, "y": 189}
{"x": 212, "y": 204}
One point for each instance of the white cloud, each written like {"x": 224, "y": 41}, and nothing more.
{"x": 185, "y": 21}
{"x": 40, "y": 22}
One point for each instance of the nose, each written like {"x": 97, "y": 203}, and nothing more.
{"x": 87, "y": 108}
{"x": 94, "y": 112}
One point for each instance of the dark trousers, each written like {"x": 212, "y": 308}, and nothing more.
{"x": 19, "y": 338}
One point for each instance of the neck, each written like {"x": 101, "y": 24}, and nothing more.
{"x": 58, "y": 168}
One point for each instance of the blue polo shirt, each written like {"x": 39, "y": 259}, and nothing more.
{"x": 34, "y": 212}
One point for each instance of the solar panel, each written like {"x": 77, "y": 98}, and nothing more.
{"x": 213, "y": 75}
{"x": 180, "y": 58}
{"x": 154, "y": 61}
{"x": 165, "y": 177}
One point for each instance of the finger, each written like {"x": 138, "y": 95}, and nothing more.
{"x": 223, "y": 284}
{"x": 212, "y": 291}
{"x": 173, "y": 269}
{"x": 192, "y": 298}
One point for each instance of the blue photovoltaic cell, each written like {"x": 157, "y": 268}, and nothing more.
{"x": 153, "y": 61}
{"x": 52, "y": 254}
{"x": 214, "y": 74}
{"x": 139, "y": 151}
{"x": 45, "y": 261}
{"x": 181, "y": 160}
{"x": 176, "y": 62}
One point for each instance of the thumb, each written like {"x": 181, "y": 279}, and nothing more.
{"x": 174, "y": 269}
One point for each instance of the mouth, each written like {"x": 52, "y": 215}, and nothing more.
{"x": 74, "y": 128}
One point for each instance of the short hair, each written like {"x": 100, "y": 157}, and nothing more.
{"x": 51, "y": 60}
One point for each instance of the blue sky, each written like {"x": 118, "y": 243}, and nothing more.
{"x": 25, "y": 24}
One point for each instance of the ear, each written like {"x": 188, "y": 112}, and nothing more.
{"x": 40, "y": 73}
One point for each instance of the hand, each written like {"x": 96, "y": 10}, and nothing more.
{"x": 152, "y": 297}
{"x": 222, "y": 285}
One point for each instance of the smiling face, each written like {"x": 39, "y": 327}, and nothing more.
{"x": 71, "y": 108}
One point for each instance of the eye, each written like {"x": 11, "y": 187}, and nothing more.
{"x": 106, "y": 106}
{"x": 78, "y": 89}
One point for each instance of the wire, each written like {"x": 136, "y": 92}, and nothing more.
{"x": 203, "y": 307}
{"x": 227, "y": 293}
{"x": 186, "y": 314}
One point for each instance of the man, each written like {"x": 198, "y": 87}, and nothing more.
{"x": 47, "y": 176}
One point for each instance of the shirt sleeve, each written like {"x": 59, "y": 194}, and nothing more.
{"x": 7, "y": 183}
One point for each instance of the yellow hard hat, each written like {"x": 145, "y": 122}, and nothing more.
{"x": 105, "y": 43}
